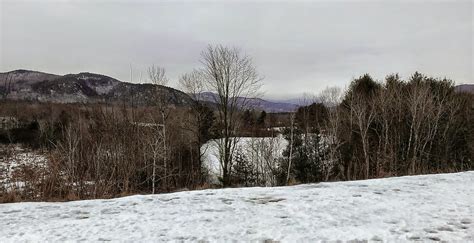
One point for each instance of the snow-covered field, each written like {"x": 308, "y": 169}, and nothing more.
{"x": 425, "y": 208}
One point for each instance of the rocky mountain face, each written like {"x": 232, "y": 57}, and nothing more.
{"x": 84, "y": 88}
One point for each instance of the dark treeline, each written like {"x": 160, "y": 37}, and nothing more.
{"x": 378, "y": 129}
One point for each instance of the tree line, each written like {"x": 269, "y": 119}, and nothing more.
{"x": 372, "y": 129}
{"x": 377, "y": 129}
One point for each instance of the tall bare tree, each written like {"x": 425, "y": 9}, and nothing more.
{"x": 364, "y": 114}
{"x": 292, "y": 138}
{"x": 233, "y": 78}
{"x": 193, "y": 84}
{"x": 331, "y": 98}
{"x": 199, "y": 119}
{"x": 157, "y": 76}
{"x": 419, "y": 102}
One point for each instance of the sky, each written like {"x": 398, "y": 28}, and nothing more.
{"x": 297, "y": 46}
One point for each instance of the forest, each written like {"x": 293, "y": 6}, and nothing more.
{"x": 371, "y": 129}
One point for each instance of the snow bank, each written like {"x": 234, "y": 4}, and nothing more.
{"x": 426, "y": 208}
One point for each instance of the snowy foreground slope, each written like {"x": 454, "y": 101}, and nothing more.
{"x": 432, "y": 207}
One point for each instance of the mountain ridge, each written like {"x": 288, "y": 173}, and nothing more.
{"x": 83, "y": 87}
{"x": 86, "y": 87}
{"x": 468, "y": 88}
{"x": 254, "y": 103}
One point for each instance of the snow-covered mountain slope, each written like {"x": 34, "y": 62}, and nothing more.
{"x": 425, "y": 208}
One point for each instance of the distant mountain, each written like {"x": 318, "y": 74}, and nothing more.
{"x": 26, "y": 77}
{"x": 91, "y": 88}
{"x": 468, "y": 88}
{"x": 255, "y": 103}
{"x": 84, "y": 88}
{"x": 300, "y": 101}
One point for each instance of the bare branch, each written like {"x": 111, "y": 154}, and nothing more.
{"x": 157, "y": 75}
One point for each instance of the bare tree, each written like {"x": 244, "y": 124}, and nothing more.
{"x": 69, "y": 149}
{"x": 154, "y": 141}
{"x": 386, "y": 105}
{"x": 440, "y": 101}
{"x": 193, "y": 84}
{"x": 364, "y": 114}
{"x": 200, "y": 117}
{"x": 157, "y": 76}
{"x": 331, "y": 98}
{"x": 292, "y": 138}
{"x": 233, "y": 78}
{"x": 419, "y": 99}
{"x": 264, "y": 154}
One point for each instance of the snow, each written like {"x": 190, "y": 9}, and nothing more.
{"x": 256, "y": 149}
{"x": 13, "y": 161}
{"x": 425, "y": 208}
{"x": 104, "y": 89}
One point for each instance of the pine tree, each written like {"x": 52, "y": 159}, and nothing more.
{"x": 244, "y": 173}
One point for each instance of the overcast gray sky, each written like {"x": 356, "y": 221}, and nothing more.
{"x": 298, "y": 47}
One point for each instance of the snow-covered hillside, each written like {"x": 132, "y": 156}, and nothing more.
{"x": 426, "y": 208}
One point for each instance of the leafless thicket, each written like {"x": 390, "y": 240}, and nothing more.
{"x": 399, "y": 127}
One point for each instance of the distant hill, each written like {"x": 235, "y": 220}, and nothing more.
{"x": 91, "y": 88}
{"x": 83, "y": 88}
{"x": 468, "y": 88}
{"x": 256, "y": 103}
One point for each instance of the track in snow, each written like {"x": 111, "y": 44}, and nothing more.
{"x": 431, "y": 207}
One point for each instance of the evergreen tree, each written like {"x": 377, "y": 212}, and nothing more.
{"x": 243, "y": 171}
{"x": 307, "y": 158}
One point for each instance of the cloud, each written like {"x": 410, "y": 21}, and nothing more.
{"x": 298, "y": 46}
